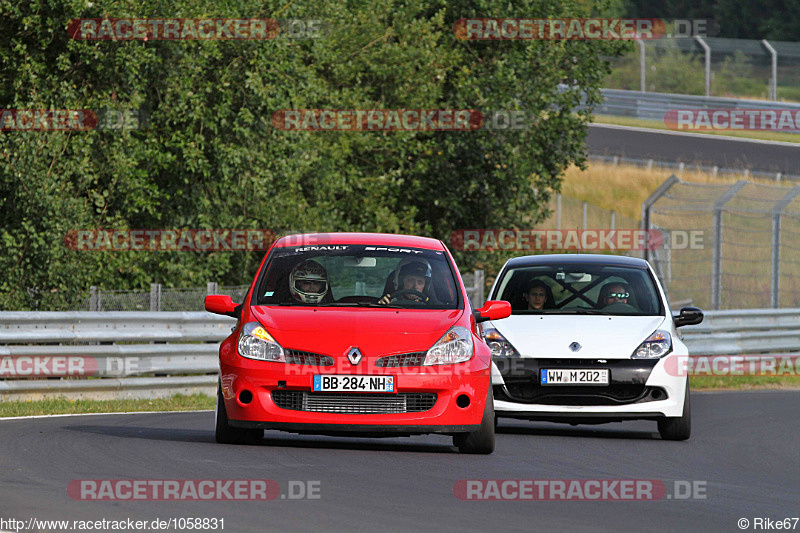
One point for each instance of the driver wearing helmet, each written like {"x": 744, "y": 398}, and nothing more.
{"x": 412, "y": 279}
{"x": 308, "y": 282}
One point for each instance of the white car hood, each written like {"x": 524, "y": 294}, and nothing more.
{"x": 602, "y": 337}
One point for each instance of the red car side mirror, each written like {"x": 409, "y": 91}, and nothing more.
{"x": 493, "y": 310}
{"x": 222, "y": 304}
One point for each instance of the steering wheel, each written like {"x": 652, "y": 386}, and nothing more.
{"x": 402, "y": 292}
{"x": 619, "y": 306}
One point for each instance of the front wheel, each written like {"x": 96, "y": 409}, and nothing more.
{"x": 677, "y": 427}
{"x": 482, "y": 440}
{"x": 226, "y": 434}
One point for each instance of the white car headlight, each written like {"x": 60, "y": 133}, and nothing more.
{"x": 255, "y": 342}
{"x": 454, "y": 347}
{"x": 499, "y": 345}
{"x": 656, "y": 345}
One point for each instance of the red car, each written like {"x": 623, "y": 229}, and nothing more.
{"x": 359, "y": 334}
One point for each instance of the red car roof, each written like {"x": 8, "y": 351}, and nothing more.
{"x": 378, "y": 239}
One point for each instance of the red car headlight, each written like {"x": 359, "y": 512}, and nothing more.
{"x": 455, "y": 346}
{"x": 255, "y": 342}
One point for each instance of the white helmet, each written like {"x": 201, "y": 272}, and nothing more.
{"x": 308, "y": 271}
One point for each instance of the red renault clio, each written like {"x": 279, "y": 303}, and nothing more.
{"x": 359, "y": 334}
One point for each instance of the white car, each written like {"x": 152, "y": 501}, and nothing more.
{"x": 590, "y": 340}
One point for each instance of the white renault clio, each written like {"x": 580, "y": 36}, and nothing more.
{"x": 590, "y": 340}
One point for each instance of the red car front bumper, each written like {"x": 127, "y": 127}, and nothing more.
{"x": 461, "y": 391}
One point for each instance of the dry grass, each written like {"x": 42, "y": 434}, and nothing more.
{"x": 623, "y": 188}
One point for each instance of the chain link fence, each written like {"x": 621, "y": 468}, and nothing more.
{"x": 727, "y": 67}
{"x": 748, "y": 254}
{"x": 159, "y": 298}
{"x": 571, "y": 213}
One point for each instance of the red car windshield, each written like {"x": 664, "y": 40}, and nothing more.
{"x": 345, "y": 275}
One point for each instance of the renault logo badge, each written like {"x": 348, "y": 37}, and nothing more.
{"x": 575, "y": 346}
{"x": 354, "y": 355}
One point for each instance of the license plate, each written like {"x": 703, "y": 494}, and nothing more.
{"x": 574, "y": 376}
{"x": 345, "y": 383}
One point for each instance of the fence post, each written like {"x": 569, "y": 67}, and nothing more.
{"x": 212, "y": 287}
{"x": 777, "y": 210}
{"x": 479, "y": 288}
{"x": 94, "y": 299}
{"x": 773, "y": 82}
{"x": 707, "y": 51}
{"x": 613, "y": 218}
{"x": 155, "y": 297}
{"x": 716, "y": 253}
{"x": 642, "y": 66}
{"x": 647, "y": 204}
{"x": 558, "y": 211}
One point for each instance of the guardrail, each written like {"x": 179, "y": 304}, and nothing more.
{"x": 149, "y": 354}
{"x": 745, "y": 331}
{"x": 654, "y": 106}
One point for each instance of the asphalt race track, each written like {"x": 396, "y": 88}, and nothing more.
{"x": 694, "y": 148}
{"x": 743, "y": 455}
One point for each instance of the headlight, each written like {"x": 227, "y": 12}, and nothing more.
{"x": 656, "y": 345}
{"x": 499, "y": 345}
{"x": 255, "y": 342}
{"x": 454, "y": 347}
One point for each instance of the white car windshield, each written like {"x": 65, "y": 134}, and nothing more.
{"x": 580, "y": 289}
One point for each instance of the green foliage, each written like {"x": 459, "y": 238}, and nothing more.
{"x": 211, "y": 159}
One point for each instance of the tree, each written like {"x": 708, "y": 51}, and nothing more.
{"x": 211, "y": 159}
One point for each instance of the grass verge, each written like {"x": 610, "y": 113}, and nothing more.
{"x": 707, "y": 383}
{"x": 659, "y": 125}
{"x": 65, "y": 406}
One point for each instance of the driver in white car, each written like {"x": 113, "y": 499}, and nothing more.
{"x": 413, "y": 282}
{"x": 615, "y": 293}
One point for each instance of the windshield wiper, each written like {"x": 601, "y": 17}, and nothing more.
{"x": 362, "y": 304}
{"x": 580, "y": 311}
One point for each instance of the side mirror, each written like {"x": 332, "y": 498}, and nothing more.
{"x": 493, "y": 310}
{"x": 222, "y": 304}
{"x": 689, "y": 316}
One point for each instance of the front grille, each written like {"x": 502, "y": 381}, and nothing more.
{"x": 297, "y": 357}
{"x": 574, "y": 395}
{"x": 354, "y": 403}
{"x": 403, "y": 359}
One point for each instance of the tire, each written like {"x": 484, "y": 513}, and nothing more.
{"x": 482, "y": 440}
{"x": 677, "y": 427}
{"x": 226, "y": 434}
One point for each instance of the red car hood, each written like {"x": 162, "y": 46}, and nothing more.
{"x": 376, "y": 332}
